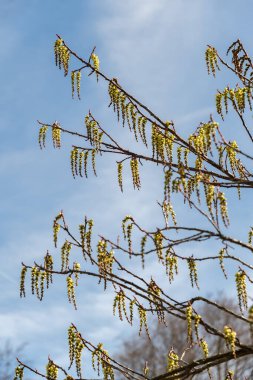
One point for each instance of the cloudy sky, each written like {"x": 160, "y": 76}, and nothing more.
{"x": 156, "y": 50}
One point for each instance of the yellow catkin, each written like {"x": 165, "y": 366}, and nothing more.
{"x": 74, "y": 161}
{"x": 197, "y": 319}
{"x": 78, "y": 83}
{"x": 65, "y": 251}
{"x": 71, "y": 343}
{"x": 128, "y": 218}
{"x": 218, "y": 100}
{"x": 143, "y": 320}
{"x": 80, "y": 163}
{"x": 52, "y": 371}
{"x": 204, "y": 346}
{"x": 154, "y": 299}
{"x": 171, "y": 265}
{"x": 223, "y": 208}
{"x": 131, "y": 310}
{"x": 41, "y": 285}
{"x": 211, "y": 60}
{"x": 79, "y": 346}
{"x": 240, "y": 279}
{"x": 19, "y": 373}
{"x": 96, "y": 63}
{"x": 210, "y": 195}
{"x": 73, "y": 80}
{"x": 105, "y": 260}
{"x": 89, "y": 235}
{"x": 146, "y": 369}
{"x": 120, "y": 175}
{"x": 100, "y": 359}
{"x": 143, "y": 244}
{"x": 250, "y": 236}
{"x": 76, "y": 269}
{"x": 48, "y": 265}
{"x": 134, "y": 164}
{"x": 193, "y": 272}
{"x": 222, "y": 253}
{"x": 57, "y": 45}
{"x": 22, "y": 281}
{"x": 71, "y": 290}
{"x": 35, "y": 276}
{"x": 62, "y": 55}
{"x": 129, "y": 237}
{"x": 230, "y": 337}
{"x": 189, "y": 313}
{"x": 158, "y": 240}
{"x": 93, "y": 160}
{"x": 56, "y": 230}
{"x": 172, "y": 361}
{"x": 42, "y": 136}
{"x": 120, "y": 304}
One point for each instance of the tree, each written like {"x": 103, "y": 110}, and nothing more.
{"x": 138, "y": 351}
{"x": 201, "y": 170}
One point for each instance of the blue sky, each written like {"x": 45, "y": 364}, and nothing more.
{"x": 156, "y": 49}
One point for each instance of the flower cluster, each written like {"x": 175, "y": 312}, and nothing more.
{"x": 76, "y": 269}
{"x": 56, "y": 135}
{"x": 105, "y": 259}
{"x": 173, "y": 360}
{"x": 143, "y": 319}
{"x": 85, "y": 235}
{"x": 48, "y": 265}
{"x": 52, "y": 370}
{"x": 127, "y": 227}
{"x": 204, "y": 346}
{"x": 162, "y": 143}
{"x": 79, "y": 161}
{"x": 211, "y": 60}
{"x": 193, "y": 271}
{"x": 76, "y": 347}
{"x": 76, "y": 83}
{"x": 56, "y": 227}
{"x": 94, "y": 134}
{"x": 155, "y": 301}
{"x": 65, "y": 252}
{"x": 189, "y": 316}
{"x": 19, "y": 373}
{"x": 120, "y": 176}
{"x": 96, "y": 63}
{"x": 223, "y": 208}
{"x": 42, "y": 136}
{"x": 22, "y": 281}
{"x": 37, "y": 282}
{"x": 100, "y": 358}
{"x": 250, "y": 235}
{"x": 158, "y": 240}
{"x": 120, "y": 304}
{"x": 71, "y": 290}
{"x": 240, "y": 279}
{"x": 237, "y": 97}
{"x": 202, "y": 139}
{"x": 62, "y": 55}
{"x": 134, "y": 165}
{"x": 171, "y": 263}
{"x": 222, "y": 253}
{"x": 230, "y": 337}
